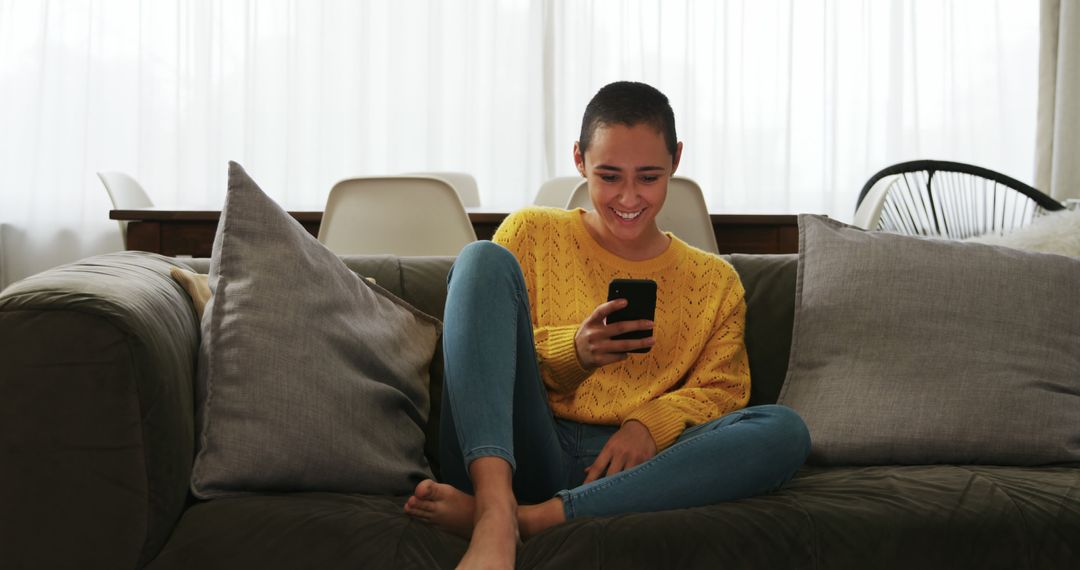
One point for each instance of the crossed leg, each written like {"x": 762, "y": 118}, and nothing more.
{"x": 498, "y": 434}
{"x": 456, "y": 511}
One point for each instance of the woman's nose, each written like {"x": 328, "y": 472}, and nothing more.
{"x": 628, "y": 194}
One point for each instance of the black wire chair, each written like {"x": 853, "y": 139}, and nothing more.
{"x": 947, "y": 199}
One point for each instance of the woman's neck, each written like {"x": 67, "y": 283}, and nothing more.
{"x": 651, "y": 244}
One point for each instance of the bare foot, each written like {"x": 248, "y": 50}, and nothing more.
{"x": 534, "y": 519}
{"x": 495, "y": 537}
{"x": 489, "y": 519}
{"x": 443, "y": 506}
{"x": 455, "y": 512}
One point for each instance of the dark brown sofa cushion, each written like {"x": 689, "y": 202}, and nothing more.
{"x": 96, "y": 417}
{"x": 306, "y": 530}
{"x": 857, "y": 517}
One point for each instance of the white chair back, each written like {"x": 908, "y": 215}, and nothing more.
{"x": 398, "y": 215}
{"x": 462, "y": 182}
{"x": 557, "y": 191}
{"x": 868, "y": 214}
{"x": 684, "y": 213}
{"x": 126, "y": 194}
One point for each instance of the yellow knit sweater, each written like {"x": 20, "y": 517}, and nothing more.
{"x": 697, "y": 370}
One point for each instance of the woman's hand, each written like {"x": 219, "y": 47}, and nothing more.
{"x": 593, "y": 342}
{"x": 631, "y": 445}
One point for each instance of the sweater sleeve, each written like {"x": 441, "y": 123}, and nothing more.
{"x": 718, "y": 383}
{"x": 556, "y": 353}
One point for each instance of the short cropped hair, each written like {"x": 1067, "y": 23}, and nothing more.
{"x": 629, "y": 103}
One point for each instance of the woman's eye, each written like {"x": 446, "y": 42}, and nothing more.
{"x": 608, "y": 177}
{"x": 649, "y": 179}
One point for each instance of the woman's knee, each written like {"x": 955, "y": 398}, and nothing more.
{"x": 485, "y": 258}
{"x": 788, "y": 426}
{"x": 485, "y": 253}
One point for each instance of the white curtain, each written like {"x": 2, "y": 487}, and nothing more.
{"x": 785, "y": 106}
{"x": 790, "y": 106}
{"x": 1057, "y": 158}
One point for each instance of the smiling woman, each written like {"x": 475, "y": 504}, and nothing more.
{"x": 790, "y": 105}
{"x": 527, "y": 336}
{"x": 627, "y": 169}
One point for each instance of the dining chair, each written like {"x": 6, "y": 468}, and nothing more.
{"x": 462, "y": 182}
{"x": 556, "y": 191}
{"x": 947, "y": 199}
{"x": 126, "y": 194}
{"x": 684, "y": 212}
{"x": 397, "y": 215}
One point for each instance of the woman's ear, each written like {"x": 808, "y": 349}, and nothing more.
{"x": 579, "y": 159}
{"x": 675, "y": 159}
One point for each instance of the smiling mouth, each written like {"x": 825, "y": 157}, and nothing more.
{"x": 627, "y": 216}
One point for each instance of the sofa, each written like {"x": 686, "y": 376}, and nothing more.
{"x": 97, "y": 422}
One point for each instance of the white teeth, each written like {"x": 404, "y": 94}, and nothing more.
{"x": 627, "y": 215}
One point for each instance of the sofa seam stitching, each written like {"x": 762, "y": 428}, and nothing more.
{"x": 1061, "y": 507}
{"x": 997, "y": 487}
{"x": 145, "y": 461}
{"x": 815, "y": 553}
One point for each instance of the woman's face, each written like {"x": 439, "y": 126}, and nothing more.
{"x": 627, "y": 169}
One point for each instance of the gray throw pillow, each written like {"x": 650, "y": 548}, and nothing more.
{"x": 310, "y": 378}
{"x": 913, "y": 350}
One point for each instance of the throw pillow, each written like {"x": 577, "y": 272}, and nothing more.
{"x": 197, "y": 286}
{"x": 310, "y": 378}
{"x": 911, "y": 350}
{"x": 1056, "y": 232}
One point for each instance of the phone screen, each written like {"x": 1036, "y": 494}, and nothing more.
{"x": 641, "y": 297}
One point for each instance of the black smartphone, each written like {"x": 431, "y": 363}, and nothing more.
{"x": 641, "y": 297}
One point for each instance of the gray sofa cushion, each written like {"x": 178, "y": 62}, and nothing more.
{"x": 912, "y": 350}
{"x": 310, "y": 378}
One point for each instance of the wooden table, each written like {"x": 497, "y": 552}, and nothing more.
{"x": 191, "y": 232}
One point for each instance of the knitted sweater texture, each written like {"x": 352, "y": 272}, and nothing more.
{"x": 697, "y": 370}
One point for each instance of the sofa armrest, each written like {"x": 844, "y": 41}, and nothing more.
{"x": 97, "y": 360}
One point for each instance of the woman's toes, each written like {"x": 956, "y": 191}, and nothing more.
{"x": 419, "y": 514}
{"x": 414, "y": 506}
{"x": 425, "y": 490}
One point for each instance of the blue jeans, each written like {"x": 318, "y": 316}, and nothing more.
{"x": 495, "y": 405}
